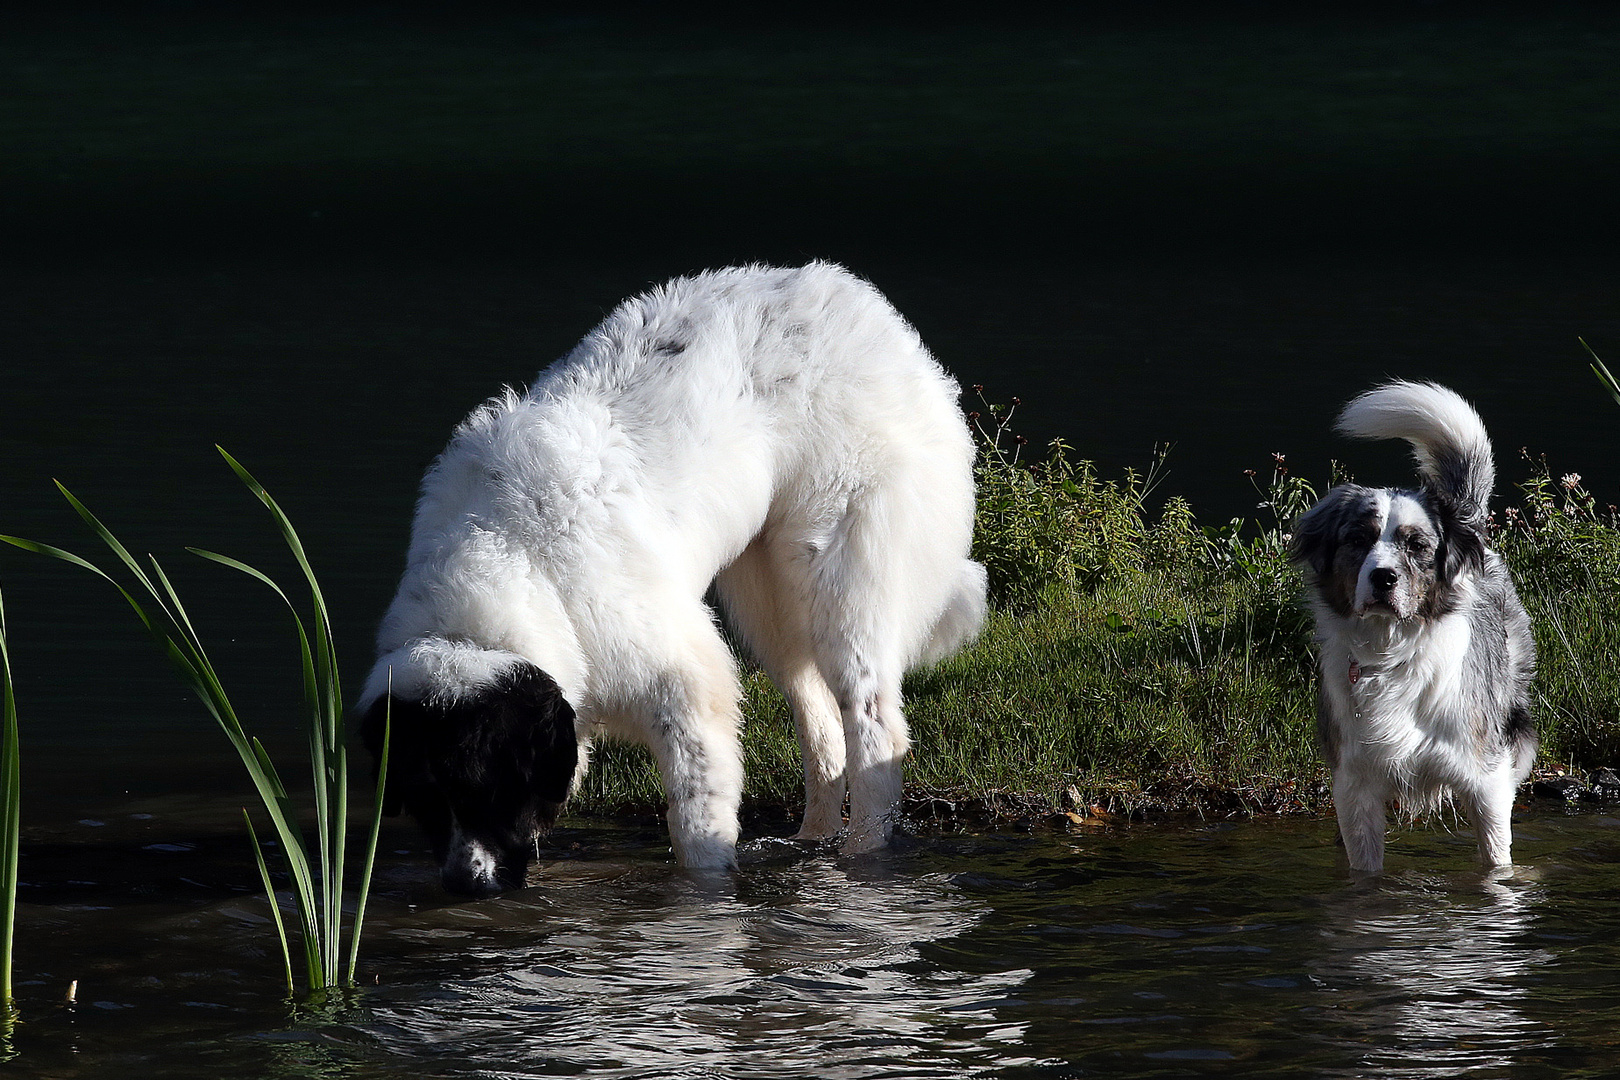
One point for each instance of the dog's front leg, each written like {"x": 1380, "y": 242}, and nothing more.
{"x": 702, "y": 774}
{"x": 1359, "y": 805}
{"x": 694, "y": 736}
{"x": 1490, "y": 809}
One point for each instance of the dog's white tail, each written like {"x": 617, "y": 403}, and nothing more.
{"x": 959, "y": 623}
{"x": 1448, "y": 439}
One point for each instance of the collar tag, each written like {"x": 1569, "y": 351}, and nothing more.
{"x": 1355, "y": 671}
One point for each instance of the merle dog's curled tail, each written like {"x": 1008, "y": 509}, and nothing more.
{"x": 1448, "y": 440}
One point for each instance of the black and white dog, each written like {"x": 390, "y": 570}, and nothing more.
{"x": 1426, "y": 652}
{"x": 780, "y": 434}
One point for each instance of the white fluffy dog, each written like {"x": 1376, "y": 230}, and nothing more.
{"x": 780, "y": 434}
{"x": 1426, "y": 651}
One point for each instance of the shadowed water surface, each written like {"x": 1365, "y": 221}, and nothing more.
{"x": 1163, "y": 950}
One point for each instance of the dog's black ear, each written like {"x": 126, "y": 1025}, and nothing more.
{"x": 505, "y": 755}
{"x": 407, "y": 755}
{"x": 520, "y": 734}
{"x": 557, "y": 747}
{"x": 411, "y": 786}
{"x": 1317, "y": 532}
{"x": 1462, "y": 545}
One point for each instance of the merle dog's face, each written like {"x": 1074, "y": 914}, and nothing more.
{"x": 485, "y": 774}
{"x": 1383, "y": 552}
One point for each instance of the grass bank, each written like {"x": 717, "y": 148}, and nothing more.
{"x": 1138, "y": 661}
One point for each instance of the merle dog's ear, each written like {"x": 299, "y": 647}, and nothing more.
{"x": 1461, "y": 542}
{"x": 1317, "y": 532}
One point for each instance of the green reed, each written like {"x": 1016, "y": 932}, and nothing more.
{"x": 317, "y": 880}
{"x": 1601, "y": 370}
{"x": 10, "y": 826}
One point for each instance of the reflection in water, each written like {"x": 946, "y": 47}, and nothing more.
{"x": 806, "y": 968}
{"x": 1143, "y": 953}
{"x": 1430, "y": 982}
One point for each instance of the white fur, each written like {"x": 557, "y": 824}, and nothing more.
{"x": 1399, "y": 739}
{"x": 782, "y": 434}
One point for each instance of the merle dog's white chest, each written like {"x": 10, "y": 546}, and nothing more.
{"x": 1391, "y": 682}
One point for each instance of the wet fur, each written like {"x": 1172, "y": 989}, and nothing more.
{"x": 780, "y": 435}
{"x": 1425, "y": 649}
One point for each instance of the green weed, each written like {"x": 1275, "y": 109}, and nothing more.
{"x": 1601, "y": 370}
{"x": 318, "y": 882}
{"x": 10, "y": 828}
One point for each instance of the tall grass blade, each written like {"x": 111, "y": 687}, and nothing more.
{"x": 312, "y": 911}
{"x": 376, "y": 829}
{"x": 10, "y": 827}
{"x": 325, "y": 655}
{"x": 192, "y": 665}
{"x": 270, "y": 893}
{"x": 1601, "y": 370}
{"x": 296, "y": 857}
{"x": 178, "y": 641}
{"x": 105, "y": 535}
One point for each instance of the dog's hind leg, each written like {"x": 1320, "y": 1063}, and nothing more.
{"x": 821, "y": 740}
{"x": 891, "y": 574}
{"x": 767, "y": 603}
{"x": 875, "y": 743}
{"x": 860, "y": 649}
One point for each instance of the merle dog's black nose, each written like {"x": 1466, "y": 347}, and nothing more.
{"x": 1382, "y": 577}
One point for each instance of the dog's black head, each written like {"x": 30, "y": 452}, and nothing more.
{"x": 1381, "y": 551}
{"x": 485, "y": 773}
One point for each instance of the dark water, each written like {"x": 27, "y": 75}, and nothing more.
{"x": 1156, "y": 950}
{"x": 318, "y": 239}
